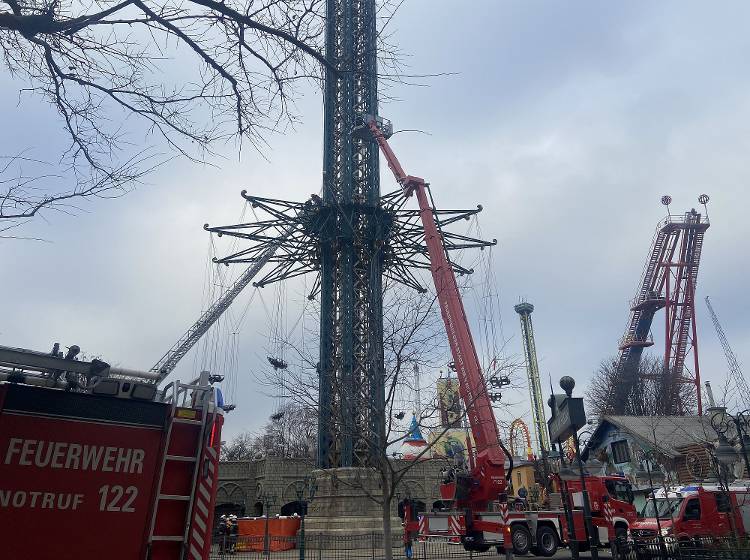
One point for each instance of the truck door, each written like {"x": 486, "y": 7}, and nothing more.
{"x": 690, "y": 522}
{"x": 723, "y": 525}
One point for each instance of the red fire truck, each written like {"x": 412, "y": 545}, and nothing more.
{"x": 476, "y": 490}
{"x": 98, "y": 462}
{"x": 543, "y": 531}
{"x": 694, "y": 512}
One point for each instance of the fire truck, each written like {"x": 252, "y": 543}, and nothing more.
{"x": 480, "y": 516}
{"x": 100, "y": 462}
{"x": 694, "y": 512}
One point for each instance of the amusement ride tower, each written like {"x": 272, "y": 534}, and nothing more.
{"x": 352, "y": 237}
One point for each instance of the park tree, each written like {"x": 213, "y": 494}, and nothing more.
{"x": 655, "y": 391}
{"x": 414, "y": 339}
{"x": 290, "y": 433}
{"x": 188, "y": 77}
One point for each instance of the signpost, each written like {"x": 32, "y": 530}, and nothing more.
{"x": 568, "y": 416}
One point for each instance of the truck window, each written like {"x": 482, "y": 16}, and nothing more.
{"x": 722, "y": 503}
{"x": 618, "y": 490}
{"x": 665, "y": 508}
{"x": 692, "y": 510}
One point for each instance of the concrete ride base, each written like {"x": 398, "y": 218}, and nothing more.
{"x": 346, "y": 504}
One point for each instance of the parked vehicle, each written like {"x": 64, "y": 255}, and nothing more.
{"x": 693, "y": 513}
{"x": 98, "y": 462}
{"x": 475, "y": 491}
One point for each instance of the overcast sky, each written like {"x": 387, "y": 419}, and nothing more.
{"x": 566, "y": 121}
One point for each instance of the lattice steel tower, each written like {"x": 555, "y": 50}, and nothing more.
{"x": 351, "y": 373}
{"x": 524, "y": 310}
{"x": 669, "y": 280}
{"x": 352, "y": 237}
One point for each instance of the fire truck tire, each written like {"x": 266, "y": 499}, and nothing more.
{"x": 520, "y": 536}
{"x": 546, "y": 541}
{"x": 621, "y": 538}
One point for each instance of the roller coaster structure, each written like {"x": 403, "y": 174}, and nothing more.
{"x": 669, "y": 280}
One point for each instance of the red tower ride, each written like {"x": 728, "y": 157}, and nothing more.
{"x": 669, "y": 281}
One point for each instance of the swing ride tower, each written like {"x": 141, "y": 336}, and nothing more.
{"x": 353, "y": 238}
{"x": 350, "y": 370}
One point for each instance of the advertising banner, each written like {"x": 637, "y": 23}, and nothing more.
{"x": 449, "y": 402}
{"x": 453, "y": 444}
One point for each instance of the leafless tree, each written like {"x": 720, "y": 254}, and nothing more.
{"x": 243, "y": 447}
{"x": 657, "y": 393}
{"x": 189, "y": 75}
{"x": 290, "y": 432}
{"x": 414, "y": 335}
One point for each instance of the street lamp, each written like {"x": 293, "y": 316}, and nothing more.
{"x": 567, "y": 384}
{"x": 268, "y": 500}
{"x": 731, "y": 429}
{"x": 305, "y": 491}
{"x": 562, "y": 473}
{"x": 646, "y": 458}
{"x": 725, "y": 453}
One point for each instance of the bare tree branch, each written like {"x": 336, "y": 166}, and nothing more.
{"x": 190, "y": 75}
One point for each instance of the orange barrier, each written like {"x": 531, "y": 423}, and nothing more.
{"x": 251, "y": 531}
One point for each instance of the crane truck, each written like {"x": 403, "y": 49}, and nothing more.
{"x": 480, "y": 517}
{"x": 98, "y": 462}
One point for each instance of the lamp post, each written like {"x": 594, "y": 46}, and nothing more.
{"x": 567, "y": 384}
{"x": 305, "y": 491}
{"x": 734, "y": 429}
{"x": 646, "y": 457}
{"x": 558, "y": 468}
{"x": 268, "y": 500}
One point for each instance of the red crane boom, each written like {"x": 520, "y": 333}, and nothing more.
{"x": 487, "y": 479}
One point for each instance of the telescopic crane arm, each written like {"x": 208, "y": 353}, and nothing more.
{"x": 488, "y": 479}
{"x": 169, "y": 361}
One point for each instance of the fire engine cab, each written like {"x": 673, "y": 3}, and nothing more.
{"x": 99, "y": 462}
{"x": 695, "y": 512}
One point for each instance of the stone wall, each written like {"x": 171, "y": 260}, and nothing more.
{"x": 245, "y": 482}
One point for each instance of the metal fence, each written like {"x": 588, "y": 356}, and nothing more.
{"x": 691, "y": 549}
{"x": 371, "y": 547}
{"x": 337, "y": 547}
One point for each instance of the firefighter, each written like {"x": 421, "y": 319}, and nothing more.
{"x": 232, "y": 530}
{"x": 223, "y": 534}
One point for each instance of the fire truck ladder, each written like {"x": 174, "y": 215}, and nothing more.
{"x": 181, "y": 514}
{"x": 169, "y": 361}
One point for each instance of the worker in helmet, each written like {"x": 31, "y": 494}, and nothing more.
{"x": 223, "y": 534}
{"x": 233, "y": 530}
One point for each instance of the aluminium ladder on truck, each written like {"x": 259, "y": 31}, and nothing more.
{"x": 113, "y": 468}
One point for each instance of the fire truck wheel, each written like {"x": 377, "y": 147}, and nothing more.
{"x": 621, "y": 538}
{"x": 621, "y": 533}
{"x": 546, "y": 541}
{"x": 520, "y": 536}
